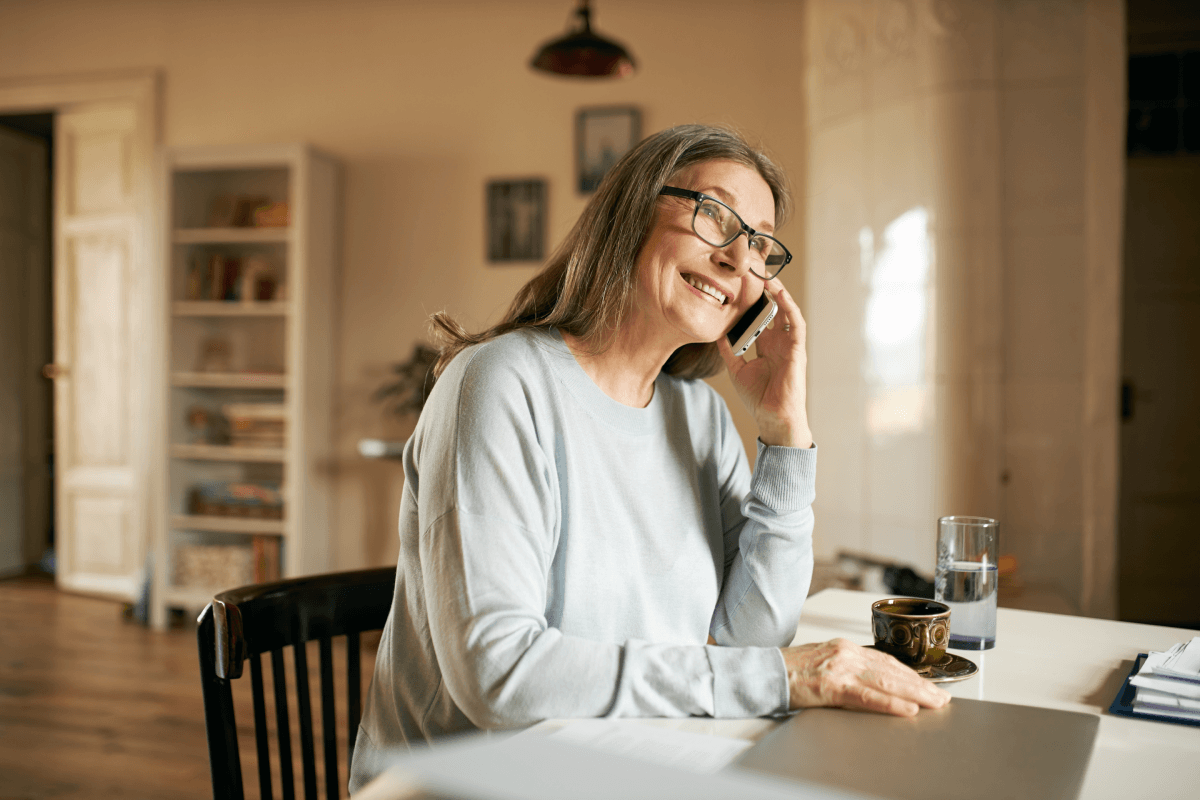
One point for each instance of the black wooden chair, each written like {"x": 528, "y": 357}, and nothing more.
{"x": 240, "y": 625}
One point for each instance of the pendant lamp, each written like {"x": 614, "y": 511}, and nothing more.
{"x": 583, "y": 54}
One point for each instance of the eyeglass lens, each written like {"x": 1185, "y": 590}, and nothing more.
{"x": 717, "y": 225}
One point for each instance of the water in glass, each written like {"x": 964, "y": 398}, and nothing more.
{"x": 969, "y": 588}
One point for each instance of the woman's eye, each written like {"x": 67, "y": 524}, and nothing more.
{"x": 760, "y": 245}
{"x": 711, "y": 211}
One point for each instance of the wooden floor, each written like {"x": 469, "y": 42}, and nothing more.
{"x": 93, "y": 705}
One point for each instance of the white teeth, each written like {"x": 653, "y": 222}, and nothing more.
{"x": 711, "y": 291}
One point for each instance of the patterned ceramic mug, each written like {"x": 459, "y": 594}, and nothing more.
{"x": 913, "y": 630}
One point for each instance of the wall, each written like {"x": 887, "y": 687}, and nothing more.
{"x": 963, "y": 279}
{"x": 423, "y": 103}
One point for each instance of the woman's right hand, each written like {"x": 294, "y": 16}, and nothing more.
{"x": 841, "y": 673}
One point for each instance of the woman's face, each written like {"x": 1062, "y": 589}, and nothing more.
{"x": 688, "y": 290}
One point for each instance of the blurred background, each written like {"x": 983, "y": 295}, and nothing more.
{"x": 994, "y": 229}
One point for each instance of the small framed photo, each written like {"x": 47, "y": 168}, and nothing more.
{"x": 516, "y": 219}
{"x": 602, "y": 136}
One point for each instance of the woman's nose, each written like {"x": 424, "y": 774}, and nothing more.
{"x": 735, "y": 256}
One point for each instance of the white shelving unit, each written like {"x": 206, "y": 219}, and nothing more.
{"x": 273, "y": 347}
{"x": 228, "y": 235}
{"x": 230, "y": 380}
{"x": 212, "y": 308}
{"x": 223, "y": 452}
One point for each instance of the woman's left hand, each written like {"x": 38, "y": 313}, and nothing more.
{"x": 773, "y": 385}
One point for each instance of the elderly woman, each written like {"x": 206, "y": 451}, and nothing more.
{"x": 580, "y": 532}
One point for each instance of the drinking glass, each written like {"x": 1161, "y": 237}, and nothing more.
{"x": 966, "y": 579}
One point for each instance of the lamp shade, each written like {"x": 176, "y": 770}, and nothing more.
{"x": 584, "y": 54}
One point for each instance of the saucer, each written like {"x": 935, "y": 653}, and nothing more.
{"x": 951, "y": 668}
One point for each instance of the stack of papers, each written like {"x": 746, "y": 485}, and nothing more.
{"x": 1168, "y": 684}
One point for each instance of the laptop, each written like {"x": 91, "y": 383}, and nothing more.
{"x": 968, "y": 748}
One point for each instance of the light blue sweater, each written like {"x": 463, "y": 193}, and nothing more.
{"x": 564, "y": 555}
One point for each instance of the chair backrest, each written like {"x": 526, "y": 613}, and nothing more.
{"x": 240, "y": 625}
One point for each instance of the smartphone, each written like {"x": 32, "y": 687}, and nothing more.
{"x": 751, "y": 324}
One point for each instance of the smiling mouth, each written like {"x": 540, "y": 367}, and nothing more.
{"x": 719, "y": 297}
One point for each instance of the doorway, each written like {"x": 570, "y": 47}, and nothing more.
{"x": 106, "y": 368}
{"x": 1160, "y": 441}
{"x": 26, "y": 339}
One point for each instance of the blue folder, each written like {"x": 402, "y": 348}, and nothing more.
{"x": 1123, "y": 703}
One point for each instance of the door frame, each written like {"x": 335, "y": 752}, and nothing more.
{"x": 142, "y": 90}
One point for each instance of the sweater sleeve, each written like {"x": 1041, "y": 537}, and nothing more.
{"x": 768, "y": 542}
{"x": 486, "y": 559}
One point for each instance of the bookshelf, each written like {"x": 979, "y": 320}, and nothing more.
{"x": 250, "y": 251}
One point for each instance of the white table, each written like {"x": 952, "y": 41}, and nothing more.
{"x": 1048, "y": 660}
{"x": 1057, "y": 661}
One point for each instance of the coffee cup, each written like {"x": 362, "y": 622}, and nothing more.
{"x": 914, "y": 630}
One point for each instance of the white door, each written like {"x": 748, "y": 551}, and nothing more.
{"x": 100, "y": 330}
{"x": 24, "y": 484}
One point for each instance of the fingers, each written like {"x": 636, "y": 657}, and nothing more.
{"x": 840, "y": 673}
{"x": 867, "y": 699}
{"x": 901, "y": 682}
{"x": 775, "y": 291}
{"x": 789, "y": 320}
{"x": 783, "y": 297}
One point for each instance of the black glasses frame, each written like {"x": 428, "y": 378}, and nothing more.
{"x": 699, "y": 197}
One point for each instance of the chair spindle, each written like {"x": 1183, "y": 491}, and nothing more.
{"x": 283, "y": 729}
{"x": 304, "y": 711}
{"x": 353, "y": 693}
{"x": 261, "y": 740}
{"x": 328, "y": 719}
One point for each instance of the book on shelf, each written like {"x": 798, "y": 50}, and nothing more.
{"x": 225, "y": 278}
{"x": 266, "y": 559}
{"x": 256, "y": 424}
{"x": 227, "y": 271}
{"x": 272, "y": 215}
{"x": 257, "y": 282}
{"x": 196, "y": 288}
{"x": 245, "y": 499}
{"x": 238, "y": 210}
{"x": 213, "y": 277}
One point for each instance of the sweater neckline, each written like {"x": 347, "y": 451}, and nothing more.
{"x": 638, "y": 421}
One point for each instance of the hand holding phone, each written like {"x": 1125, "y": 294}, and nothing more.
{"x": 772, "y": 385}
{"x": 751, "y": 324}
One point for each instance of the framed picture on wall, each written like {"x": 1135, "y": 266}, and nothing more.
{"x": 516, "y": 220}
{"x": 602, "y": 136}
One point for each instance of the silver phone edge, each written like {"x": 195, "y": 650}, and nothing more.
{"x": 757, "y": 331}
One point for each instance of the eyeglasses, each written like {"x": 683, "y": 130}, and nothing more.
{"x": 718, "y": 225}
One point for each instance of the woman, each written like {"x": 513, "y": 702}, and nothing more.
{"x": 581, "y": 535}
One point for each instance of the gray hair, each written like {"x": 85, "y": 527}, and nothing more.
{"x": 587, "y": 287}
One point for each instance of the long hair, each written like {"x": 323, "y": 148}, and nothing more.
{"x": 587, "y": 287}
